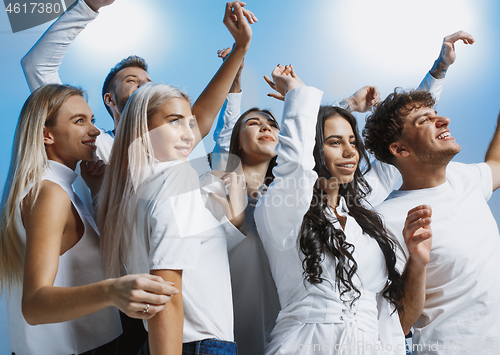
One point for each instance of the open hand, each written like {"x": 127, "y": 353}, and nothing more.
{"x": 364, "y": 99}
{"x": 448, "y": 55}
{"x": 417, "y": 234}
{"x": 284, "y": 80}
{"x": 238, "y": 20}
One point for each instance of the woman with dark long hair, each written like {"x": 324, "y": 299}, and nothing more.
{"x": 255, "y": 299}
{"x": 330, "y": 256}
{"x": 248, "y": 142}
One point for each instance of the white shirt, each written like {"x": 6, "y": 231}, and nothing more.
{"x": 181, "y": 234}
{"x": 41, "y": 64}
{"x": 462, "y": 305}
{"x": 80, "y": 265}
{"x": 313, "y": 316}
{"x": 228, "y": 115}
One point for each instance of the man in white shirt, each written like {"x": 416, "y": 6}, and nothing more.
{"x": 452, "y": 292}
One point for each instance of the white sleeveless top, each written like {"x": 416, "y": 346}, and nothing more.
{"x": 80, "y": 265}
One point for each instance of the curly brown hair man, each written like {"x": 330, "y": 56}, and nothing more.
{"x": 385, "y": 125}
{"x": 452, "y": 282}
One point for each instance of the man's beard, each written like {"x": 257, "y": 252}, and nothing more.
{"x": 120, "y": 103}
{"x": 434, "y": 156}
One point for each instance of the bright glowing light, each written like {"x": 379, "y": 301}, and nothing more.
{"x": 124, "y": 27}
{"x": 396, "y": 35}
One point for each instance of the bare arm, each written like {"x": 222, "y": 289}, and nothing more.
{"x": 52, "y": 228}
{"x": 417, "y": 234}
{"x": 493, "y": 156}
{"x": 236, "y": 86}
{"x": 237, "y": 20}
{"x": 165, "y": 330}
{"x": 433, "y": 81}
{"x": 448, "y": 55}
{"x": 229, "y": 114}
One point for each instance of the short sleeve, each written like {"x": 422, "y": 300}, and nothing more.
{"x": 178, "y": 219}
{"x": 479, "y": 174}
{"x": 167, "y": 248}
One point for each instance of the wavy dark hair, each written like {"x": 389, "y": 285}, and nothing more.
{"x": 234, "y": 153}
{"x": 318, "y": 236}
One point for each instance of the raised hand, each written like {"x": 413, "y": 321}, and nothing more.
{"x": 141, "y": 295}
{"x": 364, "y": 99}
{"x": 448, "y": 55}
{"x": 238, "y": 20}
{"x": 284, "y": 80}
{"x": 417, "y": 234}
{"x": 97, "y": 4}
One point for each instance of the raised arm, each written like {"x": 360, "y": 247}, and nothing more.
{"x": 41, "y": 64}
{"x": 417, "y": 235}
{"x": 289, "y": 196}
{"x": 433, "y": 82}
{"x": 361, "y": 101}
{"x": 51, "y": 228}
{"x": 493, "y": 156}
{"x": 228, "y": 115}
{"x": 237, "y": 20}
{"x": 447, "y": 55}
{"x": 236, "y": 86}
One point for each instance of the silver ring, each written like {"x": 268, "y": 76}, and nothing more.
{"x": 146, "y": 309}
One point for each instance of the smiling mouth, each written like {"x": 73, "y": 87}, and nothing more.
{"x": 184, "y": 151}
{"x": 90, "y": 144}
{"x": 266, "y": 139}
{"x": 348, "y": 166}
{"x": 444, "y": 135}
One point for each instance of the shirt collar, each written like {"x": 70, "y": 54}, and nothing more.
{"x": 60, "y": 173}
{"x": 342, "y": 208}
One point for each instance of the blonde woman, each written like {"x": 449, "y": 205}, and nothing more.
{"x": 153, "y": 219}
{"x": 50, "y": 261}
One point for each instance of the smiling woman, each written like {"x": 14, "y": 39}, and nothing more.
{"x": 73, "y": 137}
{"x": 338, "y": 45}
{"x": 153, "y": 219}
{"x": 340, "y": 149}
{"x": 50, "y": 260}
{"x": 172, "y": 130}
{"x": 317, "y": 232}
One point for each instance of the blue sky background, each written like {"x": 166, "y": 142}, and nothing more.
{"x": 335, "y": 45}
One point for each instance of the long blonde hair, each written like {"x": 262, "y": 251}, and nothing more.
{"x": 131, "y": 162}
{"x": 29, "y": 159}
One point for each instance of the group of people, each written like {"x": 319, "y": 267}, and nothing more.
{"x": 294, "y": 242}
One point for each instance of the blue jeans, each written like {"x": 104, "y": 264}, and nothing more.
{"x": 202, "y": 347}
